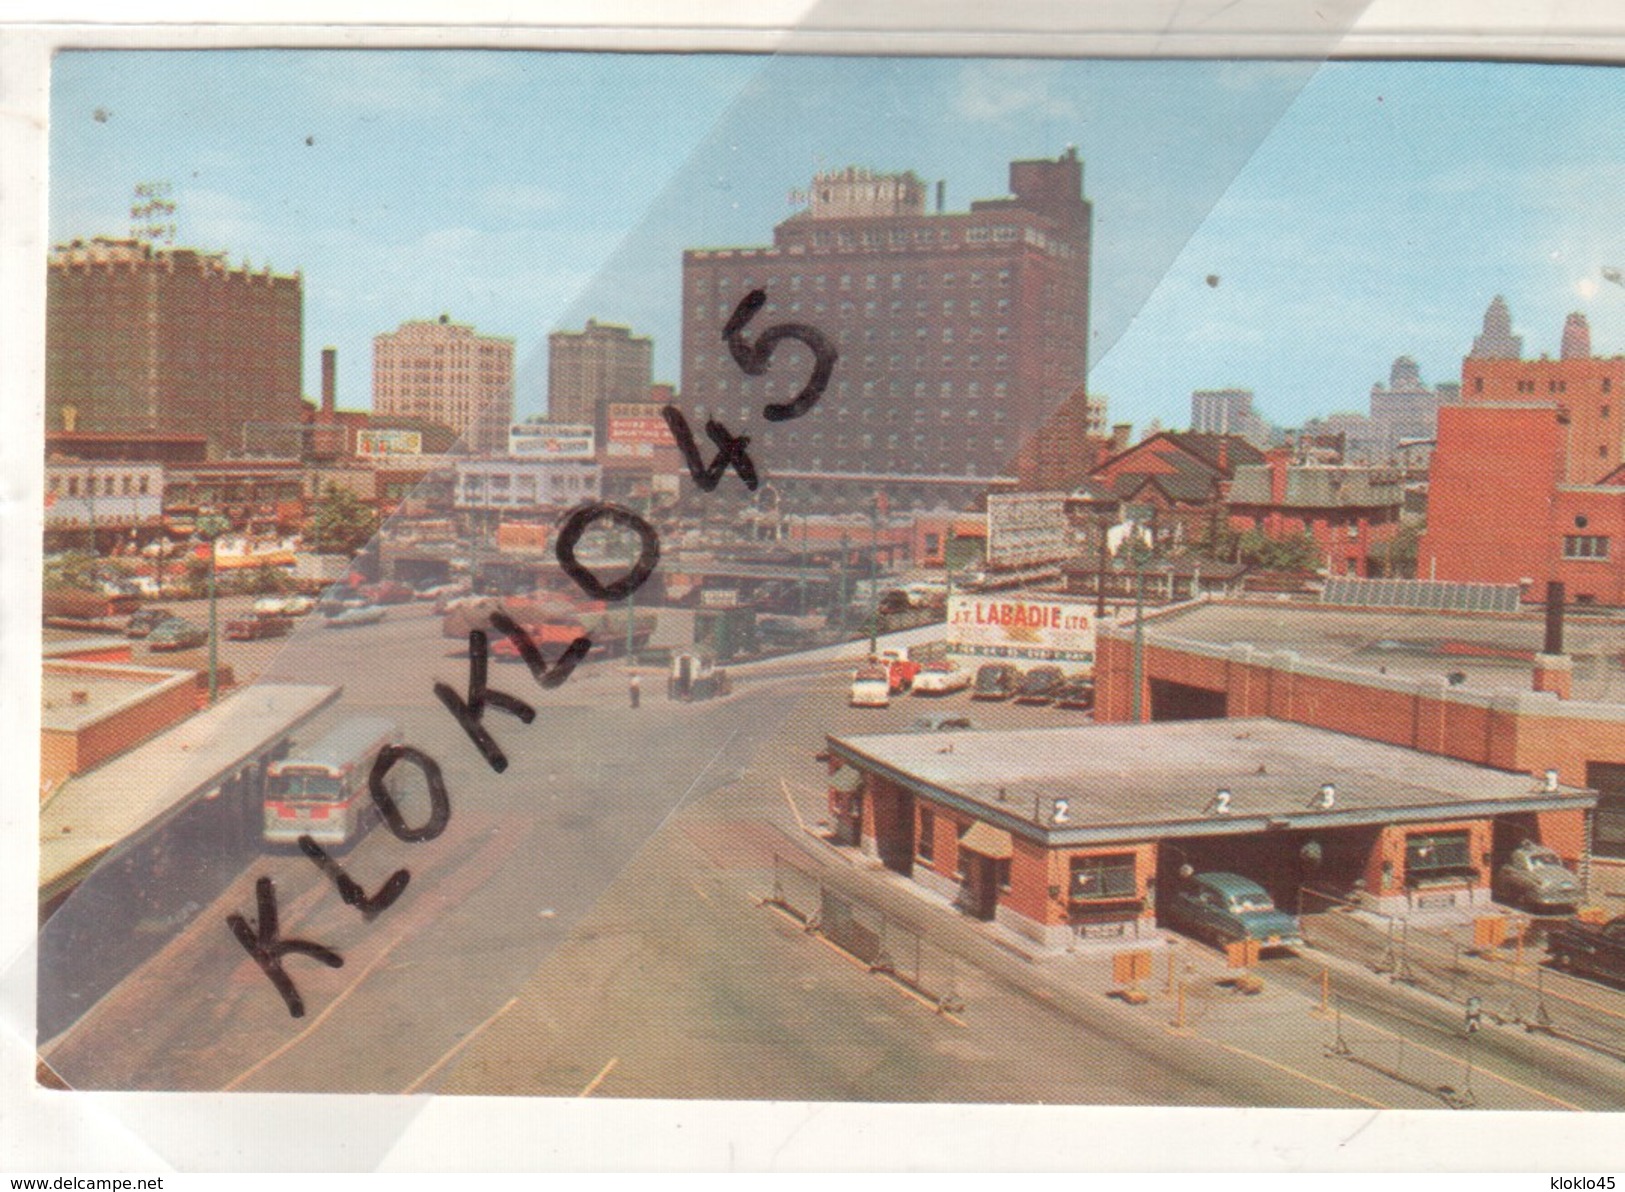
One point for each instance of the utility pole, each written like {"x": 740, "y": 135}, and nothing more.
{"x": 1139, "y": 641}
{"x": 209, "y": 527}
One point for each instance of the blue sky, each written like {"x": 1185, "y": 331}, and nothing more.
{"x": 1352, "y": 212}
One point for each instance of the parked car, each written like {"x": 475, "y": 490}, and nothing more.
{"x": 940, "y": 723}
{"x": 941, "y": 678}
{"x": 995, "y": 680}
{"x": 1225, "y": 907}
{"x": 259, "y": 625}
{"x": 439, "y": 589}
{"x": 341, "y": 596}
{"x": 1038, "y": 685}
{"x": 145, "y": 620}
{"x": 293, "y": 604}
{"x": 871, "y": 687}
{"x": 1075, "y": 693}
{"x": 176, "y": 634}
{"x": 900, "y": 668}
{"x": 388, "y": 591}
{"x": 1593, "y": 949}
{"x": 355, "y": 614}
{"x": 1535, "y": 877}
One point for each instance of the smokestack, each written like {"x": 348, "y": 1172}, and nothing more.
{"x": 1555, "y": 596}
{"x": 1554, "y": 670}
{"x": 330, "y": 385}
{"x": 1122, "y": 433}
{"x": 942, "y": 194}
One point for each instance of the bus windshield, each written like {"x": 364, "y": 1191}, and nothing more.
{"x": 308, "y": 785}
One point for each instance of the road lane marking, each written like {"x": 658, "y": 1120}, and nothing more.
{"x": 455, "y": 1048}
{"x": 785, "y": 787}
{"x": 316, "y": 1022}
{"x": 603, "y": 1073}
{"x": 1280, "y": 1067}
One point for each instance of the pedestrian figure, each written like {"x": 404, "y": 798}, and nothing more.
{"x": 634, "y": 690}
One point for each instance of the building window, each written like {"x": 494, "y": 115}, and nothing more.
{"x": 1607, "y": 385}
{"x": 925, "y": 847}
{"x": 73, "y": 486}
{"x": 1103, "y": 879}
{"x": 1606, "y": 410}
{"x": 1585, "y": 546}
{"x": 1433, "y": 855}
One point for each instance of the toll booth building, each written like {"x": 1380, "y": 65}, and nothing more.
{"x": 1062, "y": 834}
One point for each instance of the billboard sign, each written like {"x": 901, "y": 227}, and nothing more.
{"x": 1020, "y": 628}
{"x": 374, "y": 441}
{"x": 551, "y": 440}
{"x": 1024, "y": 529}
{"x": 635, "y": 428}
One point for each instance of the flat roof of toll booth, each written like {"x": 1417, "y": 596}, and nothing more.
{"x": 1146, "y": 781}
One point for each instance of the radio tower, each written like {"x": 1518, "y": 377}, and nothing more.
{"x": 152, "y": 213}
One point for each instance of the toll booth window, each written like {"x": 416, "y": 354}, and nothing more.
{"x": 1608, "y": 838}
{"x": 925, "y": 848}
{"x": 1096, "y": 879}
{"x": 1438, "y": 855}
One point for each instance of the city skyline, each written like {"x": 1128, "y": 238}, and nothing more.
{"x": 1292, "y": 212}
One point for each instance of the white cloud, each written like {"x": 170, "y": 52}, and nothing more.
{"x": 1000, "y": 90}
{"x": 521, "y": 197}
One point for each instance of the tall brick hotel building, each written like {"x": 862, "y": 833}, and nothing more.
{"x": 169, "y": 341}
{"x": 957, "y": 332}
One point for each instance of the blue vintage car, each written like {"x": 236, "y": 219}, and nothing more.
{"x": 1225, "y": 907}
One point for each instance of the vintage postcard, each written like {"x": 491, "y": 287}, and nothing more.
{"x": 831, "y": 578}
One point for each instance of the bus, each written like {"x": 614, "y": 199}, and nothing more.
{"x": 321, "y": 791}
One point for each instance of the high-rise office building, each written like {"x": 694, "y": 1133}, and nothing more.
{"x": 958, "y": 333}
{"x": 445, "y": 373}
{"x": 144, "y": 340}
{"x": 588, "y": 370}
{"x": 1405, "y": 408}
{"x": 1228, "y": 412}
{"x": 1496, "y": 341}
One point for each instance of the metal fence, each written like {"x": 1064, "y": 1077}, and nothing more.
{"x": 1504, "y": 971}
{"x": 881, "y": 941}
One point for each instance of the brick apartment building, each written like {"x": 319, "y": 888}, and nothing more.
{"x": 589, "y": 369}
{"x": 1176, "y": 480}
{"x": 168, "y": 341}
{"x": 1070, "y": 445}
{"x": 1352, "y": 513}
{"x": 957, "y": 333}
{"x": 446, "y": 373}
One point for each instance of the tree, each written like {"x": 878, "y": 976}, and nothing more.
{"x": 72, "y": 569}
{"x": 1399, "y": 555}
{"x": 342, "y": 523}
{"x": 1297, "y": 552}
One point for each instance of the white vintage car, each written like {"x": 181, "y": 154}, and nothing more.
{"x": 871, "y": 687}
{"x": 941, "y": 678}
{"x": 291, "y": 605}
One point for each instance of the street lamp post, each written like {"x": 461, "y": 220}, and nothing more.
{"x": 209, "y": 527}
{"x": 874, "y": 574}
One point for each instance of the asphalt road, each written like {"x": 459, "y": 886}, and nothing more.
{"x": 591, "y": 921}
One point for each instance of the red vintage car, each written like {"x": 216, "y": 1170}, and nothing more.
{"x": 389, "y": 591}
{"x": 259, "y": 625}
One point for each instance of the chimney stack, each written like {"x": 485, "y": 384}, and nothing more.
{"x": 330, "y": 385}
{"x": 942, "y": 195}
{"x": 1554, "y": 670}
